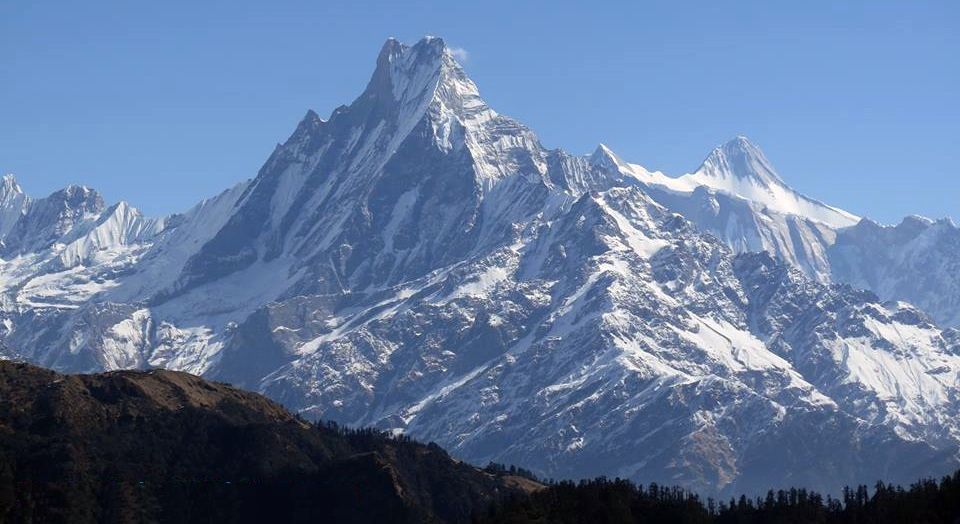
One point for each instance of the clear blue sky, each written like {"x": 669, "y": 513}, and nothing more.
{"x": 163, "y": 103}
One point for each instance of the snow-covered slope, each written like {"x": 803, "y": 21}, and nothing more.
{"x": 917, "y": 261}
{"x": 422, "y": 263}
{"x": 737, "y": 196}
{"x": 740, "y": 168}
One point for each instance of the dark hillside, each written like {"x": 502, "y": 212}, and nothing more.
{"x": 162, "y": 446}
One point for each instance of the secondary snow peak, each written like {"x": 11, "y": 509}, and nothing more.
{"x": 76, "y": 196}
{"x": 740, "y": 168}
{"x": 740, "y": 159}
{"x": 603, "y": 156}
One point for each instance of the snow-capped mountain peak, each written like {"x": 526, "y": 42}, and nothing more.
{"x": 740, "y": 168}
{"x": 9, "y": 185}
{"x": 739, "y": 159}
{"x": 604, "y": 157}
{"x": 737, "y": 196}
{"x": 413, "y": 76}
{"x": 47, "y": 219}
{"x": 13, "y": 203}
{"x": 403, "y": 71}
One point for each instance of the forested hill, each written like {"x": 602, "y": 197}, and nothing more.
{"x": 163, "y": 446}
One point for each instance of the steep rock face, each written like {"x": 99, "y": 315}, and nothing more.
{"x": 13, "y": 203}
{"x": 389, "y": 188}
{"x": 421, "y": 263}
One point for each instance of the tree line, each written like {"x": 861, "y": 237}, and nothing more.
{"x": 604, "y": 500}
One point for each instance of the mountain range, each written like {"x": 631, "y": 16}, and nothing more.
{"x": 421, "y": 263}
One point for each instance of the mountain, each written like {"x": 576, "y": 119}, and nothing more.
{"x": 13, "y": 203}
{"x": 917, "y": 261}
{"x": 737, "y": 196}
{"x": 740, "y": 168}
{"x": 420, "y": 263}
{"x": 168, "y": 446}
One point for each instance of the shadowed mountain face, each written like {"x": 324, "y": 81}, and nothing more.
{"x": 164, "y": 446}
{"x": 420, "y": 263}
